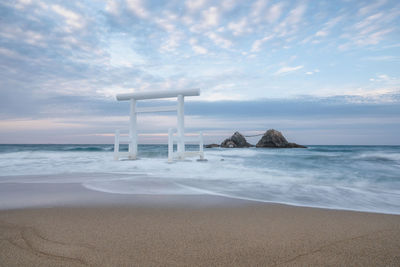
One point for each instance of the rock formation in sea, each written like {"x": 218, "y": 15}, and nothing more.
{"x": 274, "y": 139}
{"x": 236, "y": 140}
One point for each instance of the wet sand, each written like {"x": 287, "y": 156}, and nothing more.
{"x": 193, "y": 231}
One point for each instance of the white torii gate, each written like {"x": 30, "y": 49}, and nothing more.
{"x": 180, "y": 138}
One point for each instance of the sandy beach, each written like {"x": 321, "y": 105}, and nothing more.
{"x": 199, "y": 230}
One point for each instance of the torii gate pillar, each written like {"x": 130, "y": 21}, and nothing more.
{"x": 180, "y": 126}
{"x": 133, "y": 131}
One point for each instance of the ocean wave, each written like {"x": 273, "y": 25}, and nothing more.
{"x": 85, "y": 148}
{"x": 376, "y": 156}
{"x": 56, "y": 148}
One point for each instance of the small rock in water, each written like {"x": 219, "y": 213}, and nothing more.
{"x": 211, "y": 145}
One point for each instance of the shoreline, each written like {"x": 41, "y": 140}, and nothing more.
{"x": 67, "y": 224}
{"x": 31, "y": 194}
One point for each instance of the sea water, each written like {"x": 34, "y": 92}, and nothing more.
{"x": 362, "y": 178}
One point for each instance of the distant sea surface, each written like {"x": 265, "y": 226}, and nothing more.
{"x": 361, "y": 178}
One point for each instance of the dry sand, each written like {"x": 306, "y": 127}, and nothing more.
{"x": 225, "y": 233}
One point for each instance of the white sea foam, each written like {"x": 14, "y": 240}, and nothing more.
{"x": 343, "y": 178}
{"x": 142, "y": 186}
{"x": 379, "y": 156}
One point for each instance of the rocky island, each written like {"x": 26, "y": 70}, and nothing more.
{"x": 275, "y": 139}
{"x": 236, "y": 140}
{"x": 271, "y": 139}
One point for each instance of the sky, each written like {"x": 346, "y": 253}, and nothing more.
{"x": 321, "y": 72}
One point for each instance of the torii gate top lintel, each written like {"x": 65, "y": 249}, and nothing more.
{"x": 158, "y": 94}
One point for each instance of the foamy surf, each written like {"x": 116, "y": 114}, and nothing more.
{"x": 339, "y": 177}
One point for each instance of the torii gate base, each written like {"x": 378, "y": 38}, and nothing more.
{"x": 180, "y": 138}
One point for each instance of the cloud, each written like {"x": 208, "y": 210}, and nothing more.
{"x": 374, "y": 38}
{"x": 27, "y": 36}
{"x": 327, "y": 28}
{"x": 112, "y": 7}
{"x": 167, "y": 23}
{"x": 371, "y": 7}
{"x": 21, "y": 4}
{"x": 285, "y": 70}
{"x": 228, "y": 5}
{"x": 218, "y": 40}
{"x": 290, "y": 25}
{"x": 9, "y": 53}
{"x": 386, "y": 79}
{"x": 194, "y": 5}
{"x": 256, "y": 46}
{"x": 321, "y": 33}
{"x": 382, "y": 58}
{"x": 257, "y": 9}
{"x": 197, "y": 48}
{"x": 211, "y": 17}
{"x": 372, "y": 29}
{"x": 368, "y": 21}
{"x": 312, "y": 72}
{"x": 295, "y": 15}
{"x": 274, "y": 12}
{"x": 240, "y": 27}
{"x": 137, "y": 7}
{"x": 172, "y": 42}
{"x": 72, "y": 19}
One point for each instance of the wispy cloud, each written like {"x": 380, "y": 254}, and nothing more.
{"x": 286, "y": 70}
{"x": 372, "y": 26}
{"x": 218, "y": 40}
{"x": 274, "y": 12}
{"x": 194, "y": 5}
{"x": 73, "y": 20}
{"x": 211, "y": 17}
{"x": 292, "y": 22}
{"x": 197, "y": 48}
{"x": 240, "y": 27}
{"x": 112, "y": 7}
{"x": 256, "y": 46}
{"x": 258, "y": 8}
{"x": 371, "y": 7}
{"x": 382, "y": 58}
{"x": 138, "y": 8}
